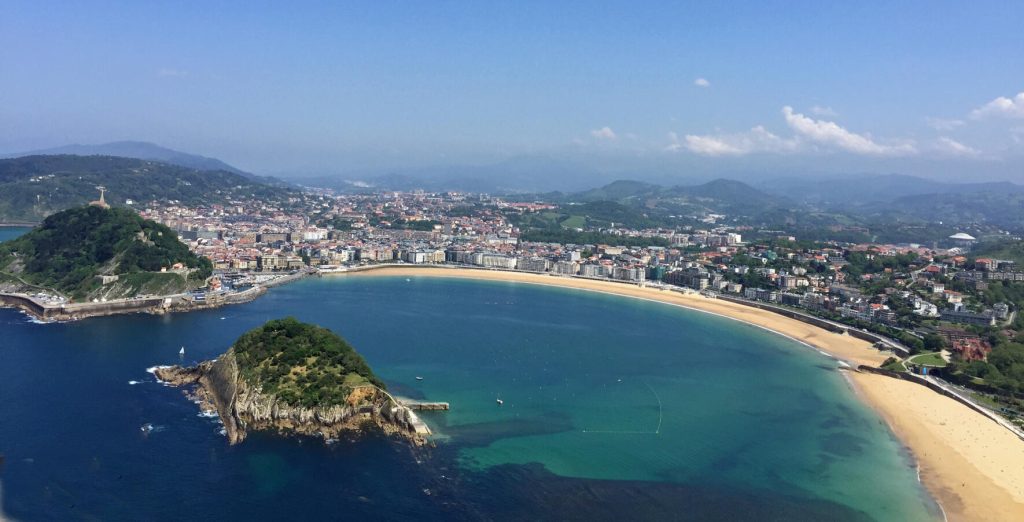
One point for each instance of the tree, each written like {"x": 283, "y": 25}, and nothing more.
{"x": 934, "y": 342}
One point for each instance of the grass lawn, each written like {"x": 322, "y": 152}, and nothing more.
{"x": 574, "y": 222}
{"x": 932, "y": 359}
{"x": 895, "y": 367}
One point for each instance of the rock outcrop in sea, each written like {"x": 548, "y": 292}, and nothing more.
{"x": 242, "y": 408}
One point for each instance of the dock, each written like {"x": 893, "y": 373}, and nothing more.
{"x": 413, "y": 404}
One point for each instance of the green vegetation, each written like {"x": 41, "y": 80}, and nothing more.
{"x": 1011, "y": 250}
{"x": 894, "y": 365}
{"x": 860, "y": 263}
{"x": 422, "y": 225}
{"x": 933, "y": 359}
{"x": 302, "y": 364}
{"x": 574, "y": 221}
{"x": 33, "y": 187}
{"x": 336, "y": 222}
{"x": 71, "y": 248}
{"x": 1003, "y": 373}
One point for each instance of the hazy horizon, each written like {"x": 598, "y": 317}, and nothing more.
{"x": 618, "y": 90}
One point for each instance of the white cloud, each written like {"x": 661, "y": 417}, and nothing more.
{"x": 171, "y": 73}
{"x": 702, "y": 82}
{"x": 818, "y": 110}
{"x": 955, "y": 148}
{"x": 942, "y": 124}
{"x": 830, "y": 133}
{"x": 757, "y": 139}
{"x": 604, "y": 133}
{"x": 1001, "y": 107}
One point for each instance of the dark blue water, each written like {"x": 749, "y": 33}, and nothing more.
{"x": 614, "y": 409}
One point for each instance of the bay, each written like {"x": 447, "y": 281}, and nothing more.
{"x": 612, "y": 408}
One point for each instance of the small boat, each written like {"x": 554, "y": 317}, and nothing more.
{"x": 418, "y": 378}
{"x": 181, "y": 351}
{"x": 146, "y": 428}
{"x": 500, "y": 402}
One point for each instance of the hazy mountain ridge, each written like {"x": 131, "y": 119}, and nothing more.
{"x": 872, "y": 188}
{"x": 33, "y": 187}
{"x": 150, "y": 152}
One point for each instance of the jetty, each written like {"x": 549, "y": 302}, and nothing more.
{"x": 413, "y": 404}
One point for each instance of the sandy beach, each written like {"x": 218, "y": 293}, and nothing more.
{"x": 972, "y": 466}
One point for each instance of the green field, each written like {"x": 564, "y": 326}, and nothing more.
{"x": 574, "y": 222}
{"x": 932, "y": 359}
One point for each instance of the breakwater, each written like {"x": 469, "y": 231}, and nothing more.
{"x": 153, "y": 305}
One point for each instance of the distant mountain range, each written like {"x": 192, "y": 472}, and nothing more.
{"x": 34, "y": 187}
{"x": 874, "y": 200}
{"x": 147, "y": 151}
{"x": 139, "y": 150}
{"x": 856, "y": 190}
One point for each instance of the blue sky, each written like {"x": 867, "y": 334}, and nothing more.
{"x": 928, "y": 88}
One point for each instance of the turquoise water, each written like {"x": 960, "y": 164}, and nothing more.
{"x": 613, "y": 408}
{"x": 12, "y": 232}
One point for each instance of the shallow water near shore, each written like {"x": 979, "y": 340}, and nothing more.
{"x": 612, "y": 408}
{"x": 12, "y": 232}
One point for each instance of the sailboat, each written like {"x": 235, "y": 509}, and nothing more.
{"x": 181, "y": 351}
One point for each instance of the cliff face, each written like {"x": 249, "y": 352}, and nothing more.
{"x": 243, "y": 407}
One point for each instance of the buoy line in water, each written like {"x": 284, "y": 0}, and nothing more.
{"x": 657, "y": 431}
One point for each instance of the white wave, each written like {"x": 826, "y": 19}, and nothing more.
{"x": 223, "y": 431}
{"x": 208, "y": 415}
{"x": 152, "y": 370}
{"x": 148, "y": 428}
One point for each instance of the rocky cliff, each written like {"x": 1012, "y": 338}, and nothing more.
{"x": 243, "y": 407}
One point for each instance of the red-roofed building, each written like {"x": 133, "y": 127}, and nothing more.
{"x": 971, "y": 349}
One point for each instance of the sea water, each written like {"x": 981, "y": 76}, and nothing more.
{"x": 12, "y": 232}
{"x": 612, "y": 408}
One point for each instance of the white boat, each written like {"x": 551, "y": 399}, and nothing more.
{"x": 418, "y": 378}
{"x": 181, "y": 351}
{"x": 500, "y": 402}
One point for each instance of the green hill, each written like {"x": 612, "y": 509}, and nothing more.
{"x": 32, "y": 187}
{"x": 1009, "y": 249}
{"x": 72, "y": 248}
{"x": 302, "y": 364}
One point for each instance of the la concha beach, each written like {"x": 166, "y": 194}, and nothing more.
{"x": 973, "y": 466}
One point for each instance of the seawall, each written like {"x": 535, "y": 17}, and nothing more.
{"x": 942, "y": 390}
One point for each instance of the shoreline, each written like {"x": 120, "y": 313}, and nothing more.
{"x": 972, "y": 467}
{"x": 69, "y": 312}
